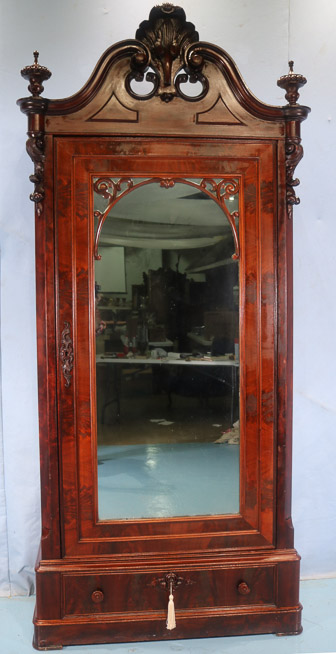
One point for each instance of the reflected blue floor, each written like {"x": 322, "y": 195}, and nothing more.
{"x": 167, "y": 479}
{"x": 319, "y": 631}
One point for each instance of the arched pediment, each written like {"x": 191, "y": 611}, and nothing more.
{"x": 168, "y": 56}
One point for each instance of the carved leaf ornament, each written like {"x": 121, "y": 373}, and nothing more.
{"x": 66, "y": 353}
{"x": 166, "y": 37}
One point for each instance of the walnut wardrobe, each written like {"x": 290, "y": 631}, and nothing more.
{"x": 163, "y": 196}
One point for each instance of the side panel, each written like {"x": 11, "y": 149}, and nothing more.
{"x": 47, "y": 362}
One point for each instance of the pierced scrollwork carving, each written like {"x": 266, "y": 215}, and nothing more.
{"x": 219, "y": 191}
{"x": 66, "y": 353}
{"x": 118, "y": 188}
{"x": 166, "y": 37}
{"x": 223, "y": 191}
{"x": 294, "y": 154}
{"x": 111, "y": 191}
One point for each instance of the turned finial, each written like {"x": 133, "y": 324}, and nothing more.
{"x": 36, "y": 75}
{"x": 291, "y": 83}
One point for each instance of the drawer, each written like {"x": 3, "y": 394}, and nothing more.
{"x": 121, "y": 592}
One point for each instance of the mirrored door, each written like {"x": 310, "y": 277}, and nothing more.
{"x": 167, "y": 346}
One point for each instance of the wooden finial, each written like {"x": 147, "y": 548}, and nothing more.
{"x": 291, "y": 83}
{"x": 36, "y": 75}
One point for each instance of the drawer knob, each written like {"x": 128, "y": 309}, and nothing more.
{"x": 243, "y": 588}
{"x": 97, "y": 596}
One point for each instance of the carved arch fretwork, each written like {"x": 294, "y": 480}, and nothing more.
{"x": 219, "y": 191}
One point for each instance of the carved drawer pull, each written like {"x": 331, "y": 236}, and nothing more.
{"x": 97, "y": 596}
{"x": 243, "y": 588}
{"x": 170, "y": 583}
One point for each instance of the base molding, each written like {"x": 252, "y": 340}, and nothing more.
{"x": 107, "y": 602}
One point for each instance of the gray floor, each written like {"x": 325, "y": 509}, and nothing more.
{"x": 319, "y": 631}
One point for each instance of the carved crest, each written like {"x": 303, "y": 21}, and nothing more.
{"x": 167, "y": 35}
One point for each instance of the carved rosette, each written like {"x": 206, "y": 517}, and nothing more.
{"x": 166, "y": 36}
{"x": 66, "y": 353}
{"x": 35, "y": 107}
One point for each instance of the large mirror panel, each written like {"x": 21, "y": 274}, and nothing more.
{"x": 167, "y": 348}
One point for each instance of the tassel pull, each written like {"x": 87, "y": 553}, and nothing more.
{"x": 171, "y": 622}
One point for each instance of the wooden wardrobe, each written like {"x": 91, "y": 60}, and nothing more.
{"x": 147, "y": 158}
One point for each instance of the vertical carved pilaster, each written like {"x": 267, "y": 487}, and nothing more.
{"x": 35, "y": 107}
{"x": 66, "y": 353}
{"x": 294, "y": 115}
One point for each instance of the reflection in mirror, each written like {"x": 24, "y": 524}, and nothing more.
{"x": 167, "y": 353}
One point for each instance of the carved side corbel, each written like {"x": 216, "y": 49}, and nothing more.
{"x": 294, "y": 115}
{"x": 35, "y": 149}
{"x": 35, "y": 107}
{"x": 294, "y": 154}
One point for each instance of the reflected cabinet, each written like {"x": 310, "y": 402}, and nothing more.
{"x": 163, "y": 196}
